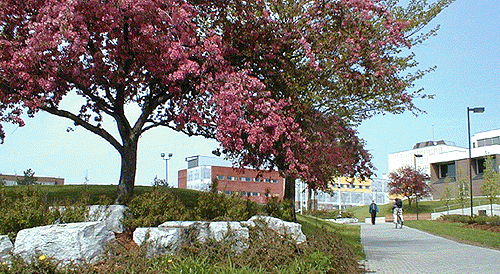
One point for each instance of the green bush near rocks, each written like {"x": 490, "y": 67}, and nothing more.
{"x": 28, "y": 206}
{"x": 483, "y": 220}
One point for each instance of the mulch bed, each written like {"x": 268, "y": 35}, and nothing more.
{"x": 493, "y": 228}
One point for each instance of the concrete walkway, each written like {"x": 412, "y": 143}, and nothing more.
{"x": 407, "y": 250}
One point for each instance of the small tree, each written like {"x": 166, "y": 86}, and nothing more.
{"x": 28, "y": 178}
{"x": 462, "y": 189}
{"x": 214, "y": 185}
{"x": 490, "y": 186}
{"x": 447, "y": 193}
{"x": 410, "y": 183}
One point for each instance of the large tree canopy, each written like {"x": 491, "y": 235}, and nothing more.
{"x": 256, "y": 75}
{"x": 409, "y": 183}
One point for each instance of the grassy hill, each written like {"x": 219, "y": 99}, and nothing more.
{"x": 331, "y": 248}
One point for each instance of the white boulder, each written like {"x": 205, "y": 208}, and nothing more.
{"x": 5, "y": 247}
{"x": 170, "y": 236}
{"x": 284, "y": 228}
{"x": 111, "y": 215}
{"x": 73, "y": 242}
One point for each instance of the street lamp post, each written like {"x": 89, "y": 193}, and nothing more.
{"x": 474, "y": 110}
{"x": 415, "y": 156}
{"x": 166, "y": 157}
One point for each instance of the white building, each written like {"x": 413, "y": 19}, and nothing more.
{"x": 486, "y": 138}
{"x": 456, "y": 164}
{"x": 199, "y": 171}
{"x": 418, "y": 157}
{"x": 344, "y": 193}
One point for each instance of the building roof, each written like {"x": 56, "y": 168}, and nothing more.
{"x": 199, "y": 160}
{"x": 433, "y": 143}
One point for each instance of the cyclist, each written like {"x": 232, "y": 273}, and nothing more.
{"x": 397, "y": 211}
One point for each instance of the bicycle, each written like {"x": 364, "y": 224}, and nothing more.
{"x": 399, "y": 217}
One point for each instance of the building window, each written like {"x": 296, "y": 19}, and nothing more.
{"x": 480, "y": 165}
{"x": 255, "y": 194}
{"x": 257, "y": 179}
{"x": 447, "y": 169}
{"x": 245, "y": 179}
{"x": 488, "y": 141}
{"x": 267, "y": 180}
{"x": 220, "y": 177}
{"x": 230, "y": 178}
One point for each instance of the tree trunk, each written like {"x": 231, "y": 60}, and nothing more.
{"x": 290, "y": 196}
{"x": 127, "y": 173}
{"x": 309, "y": 200}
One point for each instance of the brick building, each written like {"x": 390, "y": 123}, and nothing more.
{"x": 455, "y": 164}
{"x": 253, "y": 184}
{"x": 11, "y": 180}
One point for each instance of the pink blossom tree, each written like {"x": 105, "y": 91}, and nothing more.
{"x": 247, "y": 73}
{"x": 340, "y": 62}
{"x": 409, "y": 183}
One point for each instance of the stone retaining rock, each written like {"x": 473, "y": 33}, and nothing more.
{"x": 170, "y": 236}
{"x": 111, "y": 215}
{"x": 73, "y": 242}
{"x": 5, "y": 247}
{"x": 284, "y": 228}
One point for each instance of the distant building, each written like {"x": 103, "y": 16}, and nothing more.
{"x": 419, "y": 156}
{"x": 344, "y": 192}
{"x": 455, "y": 164}
{"x": 256, "y": 185}
{"x": 11, "y": 180}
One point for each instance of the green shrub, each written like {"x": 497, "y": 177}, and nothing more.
{"x": 154, "y": 208}
{"x": 483, "y": 220}
{"x": 219, "y": 206}
{"x": 28, "y": 208}
{"x": 487, "y": 220}
{"x": 279, "y": 209}
{"x": 241, "y": 209}
{"x": 212, "y": 206}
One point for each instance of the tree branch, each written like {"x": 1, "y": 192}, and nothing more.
{"x": 80, "y": 122}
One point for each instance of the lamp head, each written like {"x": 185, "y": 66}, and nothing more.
{"x": 477, "y": 109}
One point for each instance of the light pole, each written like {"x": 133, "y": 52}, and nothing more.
{"x": 415, "y": 156}
{"x": 474, "y": 110}
{"x": 166, "y": 157}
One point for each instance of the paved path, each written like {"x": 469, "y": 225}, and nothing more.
{"x": 407, "y": 250}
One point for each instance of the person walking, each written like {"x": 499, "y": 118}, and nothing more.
{"x": 373, "y": 209}
{"x": 397, "y": 211}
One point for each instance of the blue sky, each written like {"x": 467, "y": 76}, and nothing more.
{"x": 466, "y": 52}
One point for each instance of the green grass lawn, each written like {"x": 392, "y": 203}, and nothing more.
{"x": 458, "y": 232}
{"x": 350, "y": 234}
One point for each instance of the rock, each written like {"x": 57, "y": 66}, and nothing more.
{"x": 284, "y": 228}
{"x": 5, "y": 247}
{"x": 170, "y": 236}
{"x": 214, "y": 230}
{"x": 111, "y": 215}
{"x": 158, "y": 241}
{"x": 73, "y": 242}
{"x": 354, "y": 220}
